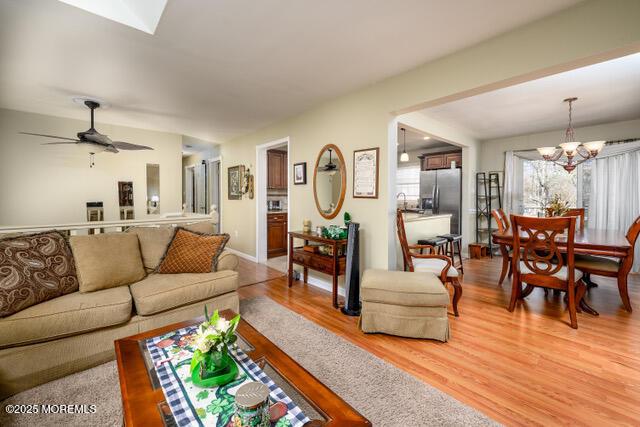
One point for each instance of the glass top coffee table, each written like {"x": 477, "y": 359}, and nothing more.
{"x": 144, "y": 402}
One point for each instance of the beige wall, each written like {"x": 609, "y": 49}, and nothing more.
{"x": 51, "y": 184}
{"x": 492, "y": 152}
{"x": 365, "y": 118}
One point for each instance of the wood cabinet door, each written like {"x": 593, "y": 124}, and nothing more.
{"x": 452, "y": 157}
{"x": 276, "y": 237}
{"x": 272, "y": 160}
{"x": 434, "y": 162}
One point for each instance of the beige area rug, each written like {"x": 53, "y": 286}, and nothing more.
{"x": 383, "y": 393}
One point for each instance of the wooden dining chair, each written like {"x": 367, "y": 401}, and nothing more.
{"x": 431, "y": 262}
{"x": 541, "y": 263}
{"x": 502, "y": 223}
{"x": 608, "y": 267}
{"x": 577, "y": 212}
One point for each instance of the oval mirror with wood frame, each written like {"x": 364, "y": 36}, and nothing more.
{"x": 329, "y": 181}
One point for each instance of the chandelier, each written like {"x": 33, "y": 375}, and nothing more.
{"x": 571, "y": 148}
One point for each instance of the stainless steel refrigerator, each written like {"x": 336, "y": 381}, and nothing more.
{"x": 441, "y": 193}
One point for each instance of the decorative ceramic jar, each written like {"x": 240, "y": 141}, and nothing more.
{"x": 252, "y": 406}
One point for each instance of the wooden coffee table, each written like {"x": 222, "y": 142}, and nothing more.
{"x": 144, "y": 402}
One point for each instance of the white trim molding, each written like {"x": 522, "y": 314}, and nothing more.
{"x": 260, "y": 188}
{"x": 241, "y": 254}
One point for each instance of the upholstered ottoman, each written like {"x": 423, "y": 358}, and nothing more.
{"x": 405, "y": 304}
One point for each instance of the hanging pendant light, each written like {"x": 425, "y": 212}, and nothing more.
{"x": 404, "y": 157}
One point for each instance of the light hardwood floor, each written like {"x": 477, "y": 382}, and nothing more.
{"x": 522, "y": 368}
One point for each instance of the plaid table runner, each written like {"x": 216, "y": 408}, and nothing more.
{"x": 195, "y": 406}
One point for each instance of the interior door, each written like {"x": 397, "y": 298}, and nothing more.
{"x": 214, "y": 187}
{"x": 189, "y": 189}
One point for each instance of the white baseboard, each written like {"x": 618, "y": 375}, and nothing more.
{"x": 241, "y": 254}
{"x": 324, "y": 285}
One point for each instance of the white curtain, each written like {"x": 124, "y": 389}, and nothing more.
{"x": 510, "y": 178}
{"x": 615, "y": 193}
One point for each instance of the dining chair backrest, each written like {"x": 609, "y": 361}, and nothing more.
{"x": 501, "y": 219}
{"x": 632, "y": 235}
{"x": 540, "y": 252}
{"x": 577, "y": 212}
{"x": 404, "y": 244}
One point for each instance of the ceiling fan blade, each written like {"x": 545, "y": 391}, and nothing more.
{"x": 60, "y": 142}
{"x": 48, "y": 136}
{"x": 127, "y": 146}
{"x": 111, "y": 149}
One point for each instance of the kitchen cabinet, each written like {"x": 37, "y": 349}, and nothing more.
{"x": 440, "y": 160}
{"x": 277, "y": 170}
{"x": 276, "y": 234}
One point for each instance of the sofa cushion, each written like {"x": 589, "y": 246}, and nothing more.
{"x": 70, "y": 314}
{"x": 403, "y": 288}
{"x": 191, "y": 252}
{"x": 161, "y": 292}
{"x": 153, "y": 243}
{"x": 107, "y": 260}
{"x": 202, "y": 227}
{"x": 34, "y": 268}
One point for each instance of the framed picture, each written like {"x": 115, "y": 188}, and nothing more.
{"x": 235, "y": 182}
{"x": 300, "y": 173}
{"x": 365, "y": 173}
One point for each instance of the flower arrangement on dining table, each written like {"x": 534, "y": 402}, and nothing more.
{"x": 558, "y": 206}
{"x": 211, "y": 363}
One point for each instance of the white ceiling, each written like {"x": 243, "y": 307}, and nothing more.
{"x": 415, "y": 140}
{"x": 218, "y": 69}
{"x": 607, "y": 92}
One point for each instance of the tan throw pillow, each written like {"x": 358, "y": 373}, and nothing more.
{"x": 107, "y": 260}
{"x": 33, "y": 269}
{"x": 153, "y": 243}
{"x": 192, "y": 252}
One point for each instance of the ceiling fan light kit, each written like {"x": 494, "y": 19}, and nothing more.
{"x": 91, "y": 140}
{"x": 570, "y": 147}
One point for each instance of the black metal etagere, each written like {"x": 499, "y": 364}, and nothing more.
{"x": 488, "y": 197}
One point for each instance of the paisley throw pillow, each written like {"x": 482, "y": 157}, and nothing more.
{"x": 34, "y": 268}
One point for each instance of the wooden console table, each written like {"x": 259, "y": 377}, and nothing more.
{"x": 333, "y": 265}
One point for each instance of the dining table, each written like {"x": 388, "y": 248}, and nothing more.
{"x": 589, "y": 241}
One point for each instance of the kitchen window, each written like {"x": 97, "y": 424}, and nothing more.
{"x": 408, "y": 181}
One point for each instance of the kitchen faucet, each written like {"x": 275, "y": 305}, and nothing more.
{"x": 404, "y": 204}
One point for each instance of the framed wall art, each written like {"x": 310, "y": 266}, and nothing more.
{"x": 235, "y": 182}
{"x": 300, "y": 173}
{"x": 365, "y": 173}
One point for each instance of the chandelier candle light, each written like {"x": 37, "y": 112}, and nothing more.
{"x": 570, "y": 147}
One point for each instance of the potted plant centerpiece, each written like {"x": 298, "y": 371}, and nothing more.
{"x": 211, "y": 364}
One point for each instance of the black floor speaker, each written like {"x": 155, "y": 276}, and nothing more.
{"x": 352, "y": 272}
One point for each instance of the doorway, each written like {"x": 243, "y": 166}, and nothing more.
{"x": 272, "y": 198}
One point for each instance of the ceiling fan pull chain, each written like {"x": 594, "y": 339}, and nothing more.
{"x": 91, "y": 160}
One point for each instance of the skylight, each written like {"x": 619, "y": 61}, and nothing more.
{"x": 142, "y": 15}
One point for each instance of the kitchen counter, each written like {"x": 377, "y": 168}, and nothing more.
{"x": 279, "y": 211}
{"x": 413, "y": 217}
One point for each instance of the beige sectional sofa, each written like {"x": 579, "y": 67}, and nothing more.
{"x": 76, "y": 331}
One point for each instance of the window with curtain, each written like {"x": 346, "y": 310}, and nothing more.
{"x": 408, "y": 181}
{"x": 542, "y": 180}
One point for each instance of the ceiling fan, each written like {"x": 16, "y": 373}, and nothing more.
{"x": 92, "y": 140}
{"x": 329, "y": 166}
